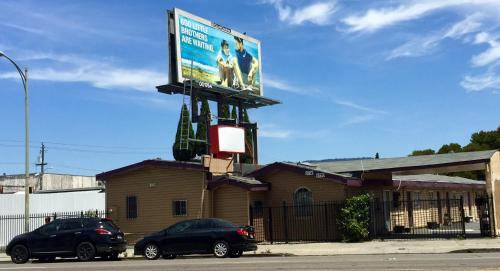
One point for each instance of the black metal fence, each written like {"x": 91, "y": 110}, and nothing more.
{"x": 431, "y": 219}
{"x": 12, "y": 225}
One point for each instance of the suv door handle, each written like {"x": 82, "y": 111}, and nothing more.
{"x": 78, "y": 232}
{"x": 53, "y": 235}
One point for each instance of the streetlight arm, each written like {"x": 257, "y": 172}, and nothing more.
{"x": 23, "y": 76}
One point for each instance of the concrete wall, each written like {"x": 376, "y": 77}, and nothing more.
{"x": 47, "y": 181}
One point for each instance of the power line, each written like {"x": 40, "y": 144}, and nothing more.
{"x": 86, "y": 145}
{"x": 59, "y": 148}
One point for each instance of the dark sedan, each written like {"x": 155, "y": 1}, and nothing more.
{"x": 198, "y": 236}
{"x": 84, "y": 238}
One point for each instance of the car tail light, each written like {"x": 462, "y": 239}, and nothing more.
{"x": 242, "y": 232}
{"x": 102, "y": 231}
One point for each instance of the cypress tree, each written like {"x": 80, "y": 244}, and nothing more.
{"x": 247, "y": 157}
{"x": 180, "y": 152}
{"x": 234, "y": 114}
{"x": 224, "y": 114}
{"x": 201, "y": 128}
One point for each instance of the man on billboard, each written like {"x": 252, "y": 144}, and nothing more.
{"x": 225, "y": 61}
{"x": 247, "y": 65}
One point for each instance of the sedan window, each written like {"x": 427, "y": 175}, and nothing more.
{"x": 181, "y": 226}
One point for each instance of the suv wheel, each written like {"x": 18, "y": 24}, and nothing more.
{"x": 236, "y": 253}
{"x": 221, "y": 249}
{"x": 19, "y": 254}
{"x": 152, "y": 252}
{"x": 85, "y": 251}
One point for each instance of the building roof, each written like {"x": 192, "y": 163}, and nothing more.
{"x": 247, "y": 183}
{"x": 435, "y": 181}
{"x": 150, "y": 163}
{"x": 307, "y": 170}
{"x": 407, "y": 163}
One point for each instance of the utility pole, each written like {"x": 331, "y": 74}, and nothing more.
{"x": 42, "y": 163}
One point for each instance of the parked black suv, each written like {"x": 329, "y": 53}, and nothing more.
{"x": 83, "y": 237}
{"x": 198, "y": 236}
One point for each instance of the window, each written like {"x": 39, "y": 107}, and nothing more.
{"x": 131, "y": 207}
{"x": 179, "y": 208}
{"x": 70, "y": 224}
{"x": 396, "y": 198}
{"x": 416, "y": 196}
{"x": 181, "y": 226}
{"x": 432, "y": 199}
{"x": 303, "y": 201}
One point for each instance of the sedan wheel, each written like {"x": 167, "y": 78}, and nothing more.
{"x": 151, "y": 252}
{"x": 19, "y": 254}
{"x": 221, "y": 249}
{"x": 85, "y": 251}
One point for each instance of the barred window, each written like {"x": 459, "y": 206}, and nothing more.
{"x": 179, "y": 208}
{"x": 131, "y": 207}
{"x": 303, "y": 201}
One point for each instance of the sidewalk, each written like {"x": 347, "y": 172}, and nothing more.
{"x": 366, "y": 248}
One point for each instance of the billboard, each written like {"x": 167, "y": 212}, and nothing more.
{"x": 211, "y": 53}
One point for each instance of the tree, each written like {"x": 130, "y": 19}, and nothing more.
{"x": 354, "y": 218}
{"x": 183, "y": 149}
{"x": 422, "y": 152}
{"x": 452, "y": 147}
{"x": 234, "y": 114}
{"x": 247, "y": 157}
{"x": 377, "y": 156}
{"x": 224, "y": 114}
{"x": 202, "y": 127}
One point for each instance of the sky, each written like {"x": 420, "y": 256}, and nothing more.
{"x": 355, "y": 78}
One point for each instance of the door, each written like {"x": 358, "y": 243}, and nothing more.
{"x": 68, "y": 235}
{"x": 178, "y": 238}
{"x": 43, "y": 238}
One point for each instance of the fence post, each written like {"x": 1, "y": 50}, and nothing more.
{"x": 250, "y": 210}
{"x": 462, "y": 213}
{"x": 326, "y": 224}
{"x": 270, "y": 224}
{"x": 285, "y": 221}
{"x": 491, "y": 213}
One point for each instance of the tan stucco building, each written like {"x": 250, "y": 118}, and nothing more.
{"x": 150, "y": 195}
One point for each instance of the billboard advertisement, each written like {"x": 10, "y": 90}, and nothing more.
{"x": 211, "y": 53}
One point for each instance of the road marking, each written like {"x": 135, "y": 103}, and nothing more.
{"x": 21, "y": 268}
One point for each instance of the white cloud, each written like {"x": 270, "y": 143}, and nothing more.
{"x": 100, "y": 74}
{"x": 319, "y": 13}
{"x": 376, "y": 19}
{"x": 277, "y": 83}
{"x": 427, "y": 44}
{"x": 489, "y": 80}
{"x": 358, "y": 119}
{"x": 359, "y": 107}
{"x": 491, "y": 55}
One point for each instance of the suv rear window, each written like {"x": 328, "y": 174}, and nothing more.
{"x": 108, "y": 225}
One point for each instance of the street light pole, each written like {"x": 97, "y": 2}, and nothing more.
{"x": 24, "y": 78}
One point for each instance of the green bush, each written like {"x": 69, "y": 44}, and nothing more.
{"x": 355, "y": 218}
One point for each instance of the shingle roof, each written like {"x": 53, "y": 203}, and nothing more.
{"x": 436, "y": 179}
{"x": 405, "y": 163}
{"x": 247, "y": 183}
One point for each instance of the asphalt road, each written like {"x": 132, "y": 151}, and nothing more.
{"x": 413, "y": 262}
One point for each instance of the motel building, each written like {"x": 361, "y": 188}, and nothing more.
{"x": 287, "y": 201}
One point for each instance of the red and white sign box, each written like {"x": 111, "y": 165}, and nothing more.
{"x": 226, "y": 140}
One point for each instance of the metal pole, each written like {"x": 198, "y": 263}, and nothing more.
{"x": 27, "y": 157}
{"x": 24, "y": 78}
